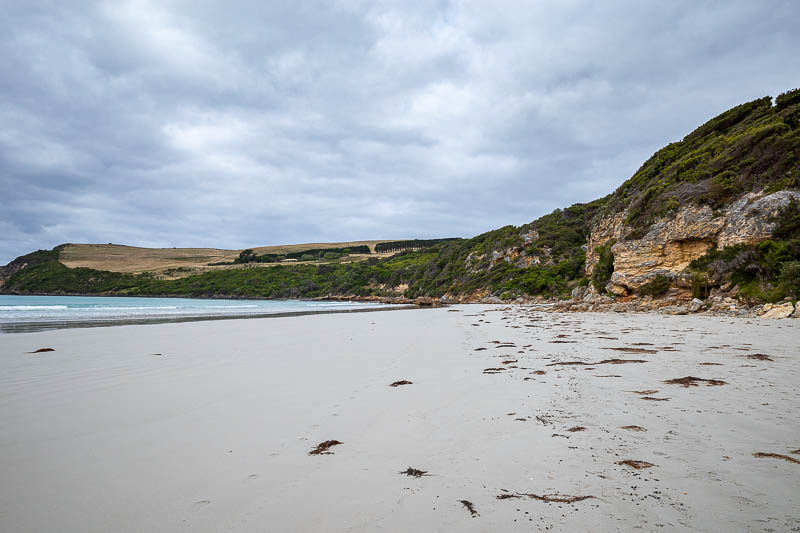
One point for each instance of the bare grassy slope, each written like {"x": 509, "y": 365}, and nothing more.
{"x": 131, "y": 259}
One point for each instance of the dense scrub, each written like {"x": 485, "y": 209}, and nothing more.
{"x": 30, "y": 260}
{"x": 435, "y": 271}
{"x": 601, "y": 274}
{"x": 655, "y": 287}
{"x": 312, "y": 254}
{"x": 564, "y": 232}
{"x": 415, "y": 244}
{"x": 767, "y": 271}
{"x": 750, "y": 147}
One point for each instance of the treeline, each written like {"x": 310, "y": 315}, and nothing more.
{"x": 319, "y": 252}
{"x": 415, "y": 244}
{"x": 312, "y": 254}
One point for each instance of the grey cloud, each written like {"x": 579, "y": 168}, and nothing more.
{"x": 201, "y": 124}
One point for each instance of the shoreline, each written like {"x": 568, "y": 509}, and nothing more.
{"x": 33, "y": 327}
{"x": 716, "y": 306}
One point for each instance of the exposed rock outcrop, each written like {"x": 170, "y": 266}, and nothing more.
{"x": 783, "y": 310}
{"x": 673, "y": 242}
{"x": 604, "y": 230}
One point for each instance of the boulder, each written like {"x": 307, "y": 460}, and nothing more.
{"x": 675, "y": 310}
{"x": 696, "y": 305}
{"x": 784, "y": 310}
{"x": 578, "y": 293}
{"x": 427, "y": 301}
{"x": 613, "y": 288}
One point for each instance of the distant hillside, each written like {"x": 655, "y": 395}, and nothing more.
{"x": 717, "y": 211}
{"x": 131, "y": 259}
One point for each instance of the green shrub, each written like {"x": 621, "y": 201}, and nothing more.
{"x": 784, "y": 100}
{"x": 604, "y": 267}
{"x": 655, "y": 287}
{"x": 788, "y": 222}
{"x": 790, "y": 279}
{"x": 700, "y": 285}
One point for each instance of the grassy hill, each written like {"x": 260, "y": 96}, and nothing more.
{"x": 132, "y": 259}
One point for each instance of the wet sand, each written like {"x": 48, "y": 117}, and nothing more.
{"x": 509, "y": 419}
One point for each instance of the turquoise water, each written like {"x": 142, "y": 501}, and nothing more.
{"x": 35, "y": 313}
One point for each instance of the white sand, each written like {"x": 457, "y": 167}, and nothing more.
{"x": 213, "y": 435}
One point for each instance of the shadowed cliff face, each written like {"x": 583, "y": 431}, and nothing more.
{"x": 674, "y": 242}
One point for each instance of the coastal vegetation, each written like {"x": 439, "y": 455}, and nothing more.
{"x": 415, "y": 244}
{"x": 750, "y": 147}
{"x": 754, "y": 147}
{"x": 313, "y": 254}
{"x": 767, "y": 271}
{"x": 601, "y": 274}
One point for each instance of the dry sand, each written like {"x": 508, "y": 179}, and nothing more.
{"x": 208, "y": 426}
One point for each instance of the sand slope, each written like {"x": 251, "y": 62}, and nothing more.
{"x": 207, "y": 426}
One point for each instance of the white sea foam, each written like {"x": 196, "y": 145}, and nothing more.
{"x": 32, "y": 307}
{"x": 140, "y": 308}
{"x": 49, "y": 311}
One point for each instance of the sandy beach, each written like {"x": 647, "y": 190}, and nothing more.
{"x": 514, "y": 420}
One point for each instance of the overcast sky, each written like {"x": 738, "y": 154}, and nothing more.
{"x": 235, "y": 124}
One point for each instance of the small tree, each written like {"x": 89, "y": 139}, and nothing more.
{"x": 246, "y": 256}
{"x": 790, "y": 278}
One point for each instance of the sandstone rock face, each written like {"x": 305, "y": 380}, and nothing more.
{"x": 748, "y": 219}
{"x": 606, "y": 229}
{"x": 783, "y": 310}
{"x": 616, "y": 288}
{"x": 672, "y": 243}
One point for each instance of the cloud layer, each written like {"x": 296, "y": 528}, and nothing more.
{"x": 209, "y": 124}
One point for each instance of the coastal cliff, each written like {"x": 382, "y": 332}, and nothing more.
{"x": 673, "y": 242}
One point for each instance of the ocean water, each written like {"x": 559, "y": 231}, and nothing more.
{"x": 36, "y": 313}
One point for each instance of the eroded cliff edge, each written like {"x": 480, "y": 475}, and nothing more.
{"x": 674, "y": 241}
